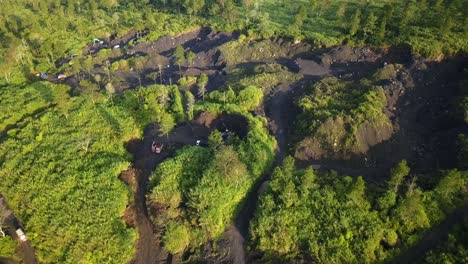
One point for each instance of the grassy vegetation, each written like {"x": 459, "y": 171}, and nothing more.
{"x": 333, "y": 115}
{"x": 32, "y": 99}
{"x": 327, "y": 218}
{"x": 7, "y": 247}
{"x": 60, "y": 176}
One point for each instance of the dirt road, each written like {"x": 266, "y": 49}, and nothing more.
{"x": 148, "y": 248}
{"x": 28, "y": 253}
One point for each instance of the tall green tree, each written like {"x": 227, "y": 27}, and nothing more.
{"x": 166, "y": 124}
{"x": 411, "y": 211}
{"x": 190, "y": 56}
{"x": 370, "y": 25}
{"x": 382, "y": 30}
{"x": 340, "y": 11}
{"x": 202, "y": 82}
{"x": 398, "y": 173}
{"x": 176, "y": 238}
{"x": 190, "y": 99}
{"x": 300, "y": 16}
{"x": 355, "y": 23}
{"x": 314, "y": 6}
{"x": 408, "y": 13}
{"x": 179, "y": 56}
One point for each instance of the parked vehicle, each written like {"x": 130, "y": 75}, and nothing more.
{"x": 61, "y": 76}
{"x": 201, "y": 143}
{"x": 98, "y": 41}
{"x": 156, "y": 147}
{"x": 21, "y": 234}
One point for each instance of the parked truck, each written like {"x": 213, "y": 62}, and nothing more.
{"x": 21, "y": 234}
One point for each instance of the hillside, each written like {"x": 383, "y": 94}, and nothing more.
{"x": 245, "y": 131}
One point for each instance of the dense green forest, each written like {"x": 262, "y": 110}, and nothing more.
{"x": 63, "y": 147}
{"x": 328, "y": 218}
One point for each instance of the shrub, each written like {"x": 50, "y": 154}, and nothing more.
{"x": 176, "y": 237}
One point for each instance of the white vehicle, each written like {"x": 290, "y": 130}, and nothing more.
{"x": 21, "y": 234}
{"x": 61, "y": 76}
{"x": 201, "y": 143}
